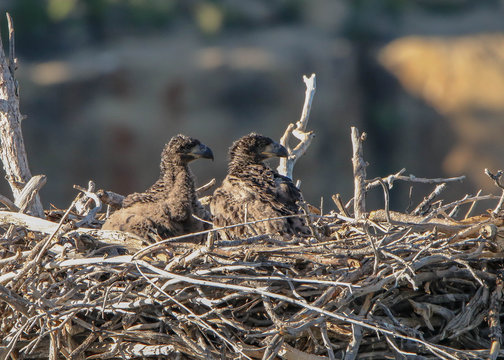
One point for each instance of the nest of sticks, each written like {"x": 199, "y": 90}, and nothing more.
{"x": 389, "y": 285}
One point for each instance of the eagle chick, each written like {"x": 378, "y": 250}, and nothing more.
{"x": 167, "y": 207}
{"x": 253, "y": 191}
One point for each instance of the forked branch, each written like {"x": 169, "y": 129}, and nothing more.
{"x": 298, "y": 130}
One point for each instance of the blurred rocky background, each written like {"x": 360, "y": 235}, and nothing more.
{"x": 105, "y": 83}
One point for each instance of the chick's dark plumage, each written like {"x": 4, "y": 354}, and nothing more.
{"x": 166, "y": 208}
{"x": 253, "y": 191}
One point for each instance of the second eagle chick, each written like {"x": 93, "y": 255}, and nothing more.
{"x": 253, "y": 191}
{"x": 167, "y": 207}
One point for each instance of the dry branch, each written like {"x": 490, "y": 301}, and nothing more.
{"x": 298, "y": 130}
{"x": 389, "y": 180}
{"x": 110, "y": 198}
{"x": 424, "y": 206}
{"x": 359, "y": 171}
{"x": 12, "y": 151}
{"x": 497, "y": 180}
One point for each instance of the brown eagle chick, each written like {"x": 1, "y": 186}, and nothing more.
{"x": 253, "y": 191}
{"x": 167, "y": 207}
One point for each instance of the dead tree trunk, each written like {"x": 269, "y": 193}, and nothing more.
{"x": 12, "y": 151}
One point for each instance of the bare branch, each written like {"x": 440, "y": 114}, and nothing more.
{"x": 205, "y": 187}
{"x": 337, "y": 200}
{"x": 411, "y": 178}
{"x": 30, "y": 191}
{"x": 424, "y": 206}
{"x": 110, "y": 198}
{"x": 497, "y": 180}
{"x": 359, "y": 170}
{"x": 298, "y": 130}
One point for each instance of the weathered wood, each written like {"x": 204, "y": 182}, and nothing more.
{"x": 110, "y": 198}
{"x": 494, "y": 320}
{"x": 359, "y": 171}
{"x": 30, "y": 191}
{"x": 298, "y": 130}
{"x": 12, "y": 151}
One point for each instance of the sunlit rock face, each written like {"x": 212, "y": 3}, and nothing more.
{"x": 461, "y": 77}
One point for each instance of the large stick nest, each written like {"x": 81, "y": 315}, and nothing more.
{"x": 403, "y": 288}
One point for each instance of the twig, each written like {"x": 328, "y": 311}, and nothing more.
{"x": 205, "y": 187}
{"x": 337, "y": 200}
{"x": 359, "y": 171}
{"x": 92, "y": 213}
{"x": 286, "y": 165}
{"x": 494, "y": 320}
{"x": 412, "y": 178}
{"x": 424, "y": 206}
{"x": 83, "y": 205}
{"x": 326, "y": 340}
{"x": 386, "y": 196}
{"x": 458, "y": 202}
{"x": 497, "y": 180}
{"x": 110, "y": 198}
{"x": 352, "y": 349}
{"x": 471, "y": 208}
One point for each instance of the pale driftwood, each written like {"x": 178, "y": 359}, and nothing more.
{"x": 26, "y": 221}
{"x": 7, "y": 202}
{"x": 110, "y": 198}
{"x": 359, "y": 172}
{"x": 83, "y": 205}
{"x": 91, "y": 196}
{"x": 30, "y": 192}
{"x": 12, "y": 151}
{"x": 32, "y": 223}
{"x": 298, "y": 130}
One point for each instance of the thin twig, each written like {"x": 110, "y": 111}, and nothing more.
{"x": 412, "y": 178}
{"x": 424, "y": 206}
{"x": 497, "y": 180}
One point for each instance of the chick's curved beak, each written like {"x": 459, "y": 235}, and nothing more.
{"x": 275, "y": 149}
{"x": 202, "y": 151}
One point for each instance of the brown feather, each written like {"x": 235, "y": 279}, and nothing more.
{"x": 253, "y": 191}
{"x": 166, "y": 208}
